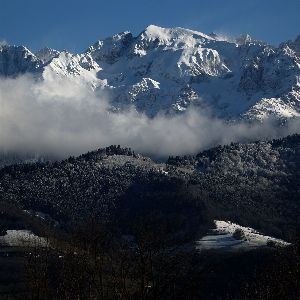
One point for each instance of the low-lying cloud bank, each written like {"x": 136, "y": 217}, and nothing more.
{"x": 60, "y": 118}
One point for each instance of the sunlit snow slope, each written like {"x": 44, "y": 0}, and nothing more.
{"x": 224, "y": 237}
{"x": 168, "y": 70}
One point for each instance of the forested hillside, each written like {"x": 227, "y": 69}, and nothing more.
{"x": 255, "y": 184}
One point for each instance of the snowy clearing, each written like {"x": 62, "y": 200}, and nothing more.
{"x": 15, "y": 238}
{"x": 223, "y": 237}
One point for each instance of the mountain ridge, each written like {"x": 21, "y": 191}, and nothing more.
{"x": 168, "y": 70}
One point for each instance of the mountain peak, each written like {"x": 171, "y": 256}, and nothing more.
{"x": 154, "y": 31}
{"x": 293, "y": 44}
{"x": 46, "y": 54}
{"x": 121, "y": 36}
{"x": 297, "y": 44}
{"x": 244, "y": 39}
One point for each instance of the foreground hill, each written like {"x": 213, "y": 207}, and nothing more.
{"x": 255, "y": 184}
{"x": 111, "y": 216}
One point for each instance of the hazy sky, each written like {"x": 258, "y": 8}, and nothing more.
{"x": 75, "y": 24}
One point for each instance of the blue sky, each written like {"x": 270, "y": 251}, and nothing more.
{"x": 75, "y": 25}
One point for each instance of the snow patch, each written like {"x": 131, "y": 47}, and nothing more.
{"x": 223, "y": 238}
{"x": 24, "y": 238}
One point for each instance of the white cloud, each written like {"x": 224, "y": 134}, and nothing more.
{"x": 61, "y": 118}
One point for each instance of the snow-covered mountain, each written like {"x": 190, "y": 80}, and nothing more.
{"x": 168, "y": 70}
